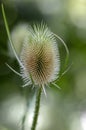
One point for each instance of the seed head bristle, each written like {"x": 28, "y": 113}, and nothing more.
{"x": 40, "y": 55}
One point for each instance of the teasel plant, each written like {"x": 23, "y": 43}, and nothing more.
{"x": 39, "y": 61}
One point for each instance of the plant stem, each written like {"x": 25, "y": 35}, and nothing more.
{"x": 23, "y": 120}
{"x": 27, "y": 97}
{"x": 37, "y": 106}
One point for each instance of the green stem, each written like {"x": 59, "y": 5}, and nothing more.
{"x": 24, "y": 118}
{"x": 37, "y": 106}
{"x": 27, "y": 96}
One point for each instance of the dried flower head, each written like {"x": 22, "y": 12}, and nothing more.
{"x": 40, "y": 56}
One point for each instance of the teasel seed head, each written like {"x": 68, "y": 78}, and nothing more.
{"x": 40, "y": 56}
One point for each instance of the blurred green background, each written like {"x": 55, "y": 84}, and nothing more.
{"x": 63, "y": 109}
